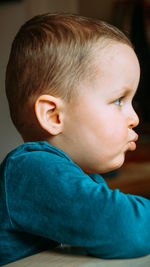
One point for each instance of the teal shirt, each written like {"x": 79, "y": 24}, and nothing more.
{"x": 46, "y": 199}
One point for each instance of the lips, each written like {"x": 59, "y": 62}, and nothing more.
{"x": 134, "y": 139}
{"x": 132, "y": 144}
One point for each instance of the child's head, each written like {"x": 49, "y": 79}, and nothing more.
{"x": 54, "y": 60}
{"x": 52, "y": 54}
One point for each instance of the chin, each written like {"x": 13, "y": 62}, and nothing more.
{"x": 100, "y": 168}
{"x": 114, "y": 165}
{"x": 104, "y": 170}
{"x": 119, "y": 165}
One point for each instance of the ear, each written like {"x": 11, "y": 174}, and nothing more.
{"x": 48, "y": 110}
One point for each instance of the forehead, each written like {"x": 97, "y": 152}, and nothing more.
{"x": 115, "y": 53}
{"x": 117, "y": 61}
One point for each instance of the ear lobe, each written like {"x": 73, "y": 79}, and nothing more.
{"x": 49, "y": 113}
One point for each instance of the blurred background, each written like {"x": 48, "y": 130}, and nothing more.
{"x": 131, "y": 16}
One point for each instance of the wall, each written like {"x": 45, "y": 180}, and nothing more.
{"x": 97, "y": 8}
{"x": 41, "y": 6}
{"x": 12, "y": 16}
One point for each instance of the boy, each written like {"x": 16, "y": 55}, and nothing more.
{"x": 70, "y": 82}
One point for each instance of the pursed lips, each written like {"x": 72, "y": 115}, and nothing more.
{"x": 132, "y": 143}
{"x": 134, "y": 139}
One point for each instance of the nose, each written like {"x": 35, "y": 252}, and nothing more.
{"x": 133, "y": 118}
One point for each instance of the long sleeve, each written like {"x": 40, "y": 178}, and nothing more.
{"x": 51, "y": 197}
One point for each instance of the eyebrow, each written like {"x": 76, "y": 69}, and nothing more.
{"x": 124, "y": 90}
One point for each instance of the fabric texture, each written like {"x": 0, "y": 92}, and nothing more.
{"x": 46, "y": 199}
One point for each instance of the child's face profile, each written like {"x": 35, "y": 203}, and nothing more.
{"x": 99, "y": 127}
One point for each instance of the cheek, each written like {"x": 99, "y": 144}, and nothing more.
{"x": 115, "y": 131}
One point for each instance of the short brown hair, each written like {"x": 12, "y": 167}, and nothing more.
{"x": 50, "y": 55}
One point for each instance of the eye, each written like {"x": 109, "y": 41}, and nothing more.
{"x": 118, "y": 102}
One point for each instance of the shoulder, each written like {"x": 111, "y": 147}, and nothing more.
{"x": 38, "y": 159}
{"x": 35, "y": 153}
{"x": 31, "y": 149}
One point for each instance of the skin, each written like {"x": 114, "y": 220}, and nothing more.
{"x": 97, "y": 128}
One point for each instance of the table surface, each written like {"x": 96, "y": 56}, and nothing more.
{"x": 75, "y": 257}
